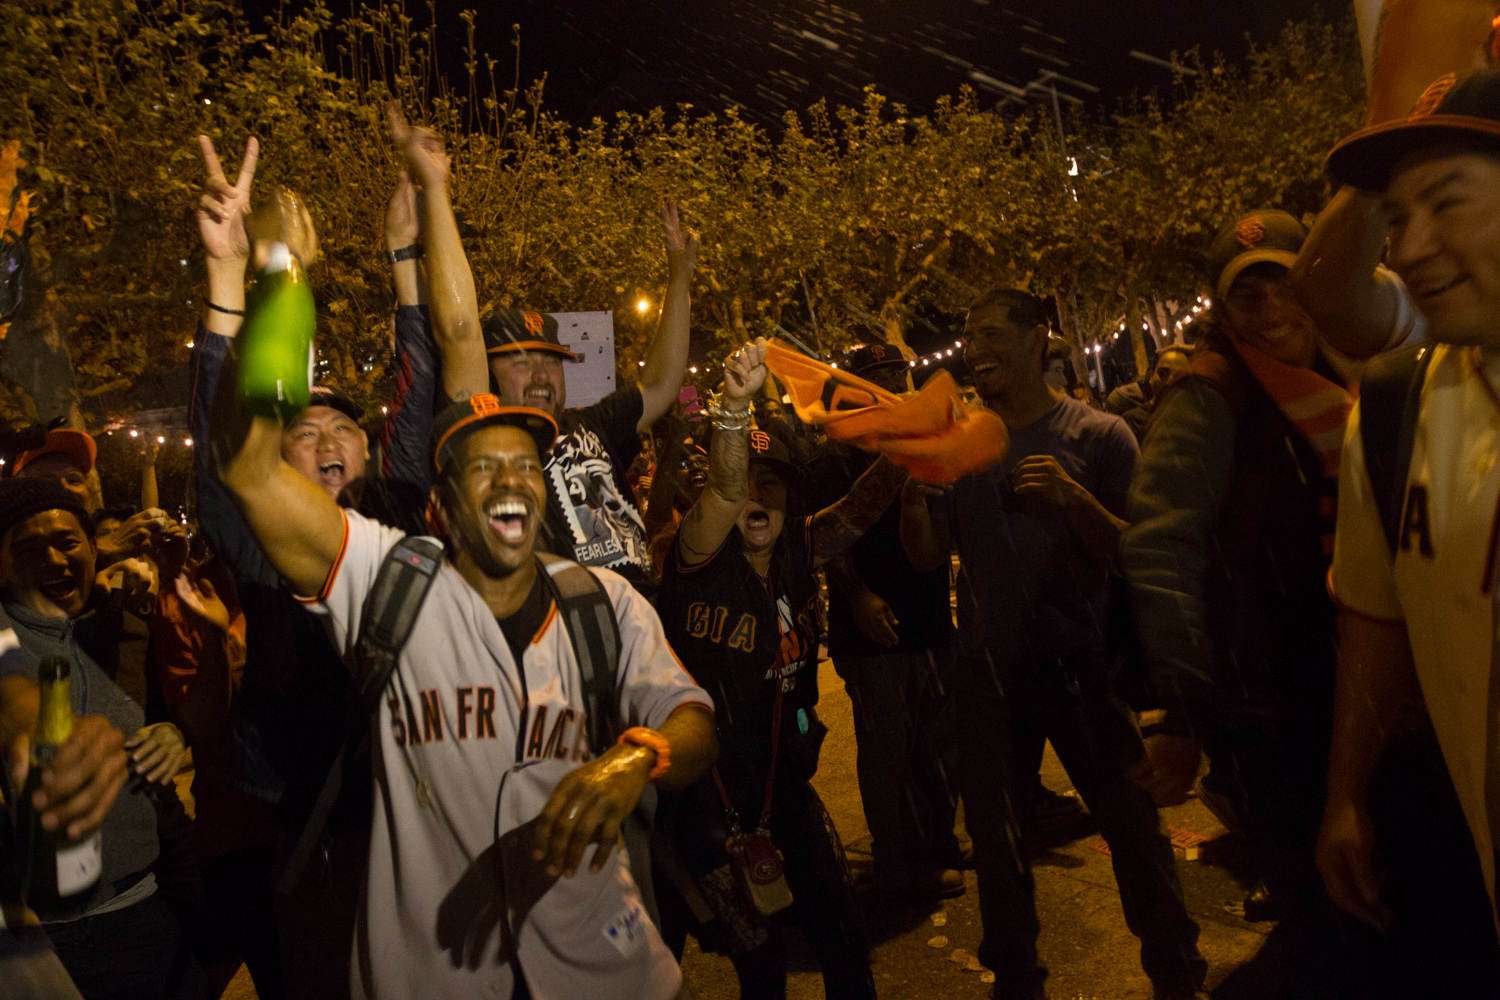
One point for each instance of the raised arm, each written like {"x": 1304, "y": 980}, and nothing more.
{"x": 667, "y": 356}
{"x": 221, "y": 226}
{"x": 669, "y": 452}
{"x": 403, "y": 433}
{"x": 403, "y": 235}
{"x": 298, "y": 525}
{"x": 149, "y": 493}
{"x": 836, "y": 528}
{"x": 453, "y": 302}
{"x": 706, "y": 526}
{"x": 1335, "y": 279}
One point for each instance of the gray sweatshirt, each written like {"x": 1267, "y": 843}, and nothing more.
{"x": 129, "y": 830}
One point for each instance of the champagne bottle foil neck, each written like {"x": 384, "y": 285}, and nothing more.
{"x": 54, "y": 722}
{"x": 53, "y": 668}
{"x": 278, "y": 258}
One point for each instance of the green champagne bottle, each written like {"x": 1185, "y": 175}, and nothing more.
{"x": 56, "y": 868}
{"x": 275, "y": 363}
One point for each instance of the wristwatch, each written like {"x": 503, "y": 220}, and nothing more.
{"x": 405, "y": 253}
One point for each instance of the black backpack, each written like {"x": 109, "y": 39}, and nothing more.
{"x": 390, "y": 612}
{"x": 1390, "y": 397}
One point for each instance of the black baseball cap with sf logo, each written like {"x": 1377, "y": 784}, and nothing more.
{"x": 768, "y": 449}
{"x": 1463, "y": 112}
{"x": 466, "y": 416}
{"x": 874, "y": 357}
{"x": 507, "y": 330}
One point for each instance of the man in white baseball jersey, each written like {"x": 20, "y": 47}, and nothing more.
{"x": 1419, "y": 616}
{"x": 482, "y": 720}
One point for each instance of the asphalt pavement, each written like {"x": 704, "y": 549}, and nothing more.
{"x": 923, "y": 950}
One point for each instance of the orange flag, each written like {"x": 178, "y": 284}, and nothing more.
{"x": 933, "y": 435}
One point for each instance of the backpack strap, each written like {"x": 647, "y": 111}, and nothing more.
{"x": 1390, "y": 395}
{"x": 390, "y": 612}
{"x": 586, "y": 612}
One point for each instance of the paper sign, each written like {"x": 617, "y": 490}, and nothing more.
{"x": 592, "y": 335}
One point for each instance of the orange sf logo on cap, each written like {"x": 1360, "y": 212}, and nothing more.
{"x": 533, "y": 323}
{"x": 878, "y": 350}
{"x": 1249, "y": 232}
{"x": 485, "y": 404}
{"x": 1433, "y": 96}
{"x": 760, "y": 441}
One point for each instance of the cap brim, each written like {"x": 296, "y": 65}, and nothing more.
{"x": 1366, "y": 158}
{"x": 789, "y": 473}
{"x": 539, "y": 424}
{"x": 76, "y": 445}
{"x": 535, "y": 345}
{"x": 1249, "y": 258}
{"x": 343, "y": 404}
{"x": 881, "y": 366}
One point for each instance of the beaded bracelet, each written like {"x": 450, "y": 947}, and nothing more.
{"x": 651, "y": 740}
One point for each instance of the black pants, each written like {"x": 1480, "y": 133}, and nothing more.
{"x": 240, "y": 891}
{"x": 821, "y": 905}
{"x": 903, "y": 728}
{"x": 129, "y": 954}
{"x": 1012, "y": 711}
{"x": 1441, "y": 929}
{"x": 1276, "y": 770}
{"x": 316, "y": 925}
{"x": 1441, "y": 938}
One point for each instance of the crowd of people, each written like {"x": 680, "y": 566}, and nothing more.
{"x": 501, "y": 697}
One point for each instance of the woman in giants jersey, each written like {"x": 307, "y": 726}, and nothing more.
{"x": 738, "y": 605}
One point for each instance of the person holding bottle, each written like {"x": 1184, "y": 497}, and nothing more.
{"x": 115, "y": 936}
{"x": 74, "y": 791}
{"x": 293, "y": 679}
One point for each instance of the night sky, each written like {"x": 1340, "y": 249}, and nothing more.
{"x": 768, "y": 56}
{"x": 772, "y": 55}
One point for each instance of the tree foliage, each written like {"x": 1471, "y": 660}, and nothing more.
{"x": 846, "y": 217}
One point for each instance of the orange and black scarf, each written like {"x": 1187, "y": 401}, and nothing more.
{"x": 1318, "y": 408}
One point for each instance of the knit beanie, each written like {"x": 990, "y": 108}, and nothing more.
{"x": 23, "y": 496}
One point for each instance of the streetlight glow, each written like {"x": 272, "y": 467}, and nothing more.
{"x": 641, "y": 305}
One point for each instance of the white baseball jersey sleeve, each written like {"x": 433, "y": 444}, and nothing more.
{"x": 453, "y": 721}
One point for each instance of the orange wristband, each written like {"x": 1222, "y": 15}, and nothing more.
{"x": 651, "y": 740}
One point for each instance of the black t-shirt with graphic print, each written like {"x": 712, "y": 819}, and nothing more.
{"x": 739, "y": 642}
{"x": 592, "y": 518}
